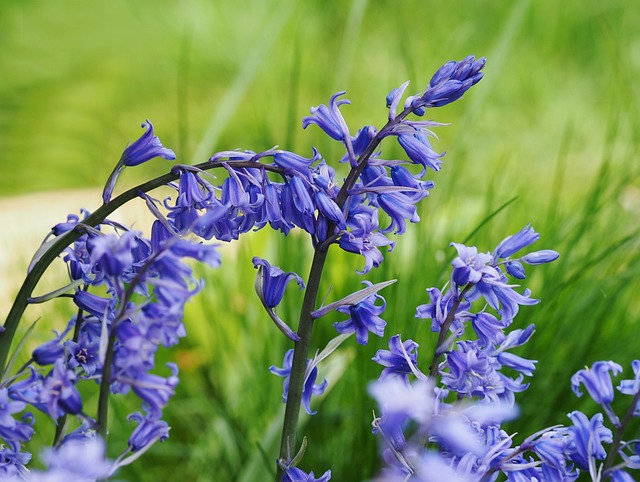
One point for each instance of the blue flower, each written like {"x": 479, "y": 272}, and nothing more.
{"x": 329, "y": 119}
{"x": 597, "y": 381}
{"x": 75, "y": 460}
{"x": 451, "y": 81}
{"x": 148, "y": 431}
{"x": 512, "y": 244}
{"x": 364, "y": 238}
{"x": 145, "y": 148}
{"x": 12, "y": 431}
{"x": 469, "y": 266}
{"x": 310, "y": 387}
{"x": 59, "y": 393}
{"x": 587, "y": 439}
{"x": 294, "y": 474}
{"x": 419, "y": 150}
{"x": 400, "y": 360}
{"x": 272, "y": 281}
{"x": 632, "y": 387}
{"x": 363, "y": 318}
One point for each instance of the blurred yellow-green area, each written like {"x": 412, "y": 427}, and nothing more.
{"x": 550, "y": 136}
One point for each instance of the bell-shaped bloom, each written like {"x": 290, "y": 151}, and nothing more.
{"x": 363, "y": 318}
{"x": 587, "y": 439}
{"x": 451, "y": 81}
{"x": 540, "y": 257}
{"x": 11, "y": 430}
{"x": 632, "y": 387}
{"x": 400, "y": 360}
{"x": 364, "y": 238}
{"x": 330, "y": 210}
{"x": 148, "y": 431}
{"x": 59, "y": 394}
{"x": 294, "y": 474}
{"x": 75, "y": 460}
{"x": 145, "y": 148}
{"x": 469, "y": 266}
{"x": 310, "y": 388}
{"x": 393, "y": 99}
{"x": 329, "y": 119}
{"x": 294, "y": 164}
{"x": 419, "y": 150}
{"x": 512, "y": 244}
{"x": 597, "y": 381}
{"x": 271, "y": 282}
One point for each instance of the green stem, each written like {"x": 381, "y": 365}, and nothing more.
{"x": 299, "y": 363}
{"x": 305, "y": 324}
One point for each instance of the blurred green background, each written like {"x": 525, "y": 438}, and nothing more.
{"x": 552, "y": 130}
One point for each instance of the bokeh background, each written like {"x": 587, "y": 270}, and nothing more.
{"x": 550, "y": 136}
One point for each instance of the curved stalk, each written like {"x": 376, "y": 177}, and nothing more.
{"x": 99, "y": 215}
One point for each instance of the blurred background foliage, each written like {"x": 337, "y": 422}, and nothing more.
{"x": 550, "y": 136}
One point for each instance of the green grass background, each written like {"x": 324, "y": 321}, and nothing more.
{"x": 552, "y": 131}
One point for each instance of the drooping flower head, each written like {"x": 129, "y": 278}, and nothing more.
{"x": 145, "y": 148}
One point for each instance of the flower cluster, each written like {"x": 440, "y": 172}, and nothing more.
{"x": 447, "y": 425}
{"x": 130, "y": 290}
{"x": 441, "y": 422}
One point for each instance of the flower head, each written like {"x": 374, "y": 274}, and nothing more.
{"x": 145, "y": 148}
{"x": 364, "y": 318}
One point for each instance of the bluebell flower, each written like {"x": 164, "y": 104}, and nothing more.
{"x": 439, "y": 307}
{"x": 515, "y": 269}
{"x": 512, "y": 244}
{"x": 451, "y": 81}
{"x": 13, "y": 464}
{"x": 419, "y": 150}
{"x": 540, "y": 257}
{"x": 75, "y": 461}
{"x": 364, "y": 238}
{"x": 330, "y": 210}
{"x": 295, "y": 165}
{"x": 469, "y": 266}
{"x": 59, "y": 394}
{"x": 488, "y": 328}
{"x": 587, "y": 439}
{"x": 294, "y": 474}
{"x": 393, "y": 99}
{"x": 270, "y": 284}
{"x": 112, "y": 254}
{"x": 310, "y": 387}
{"x": 621, "y": 476}
{"x": 363, "y": 318}
{"x": 154, "y": 390}
{"x": 329, "y": 119}
{"x": 400, "y": 360}
{"x": 632, "y": 387}
{"x": 49, "y": 352}
{"x": 297, "y": 205}
{"x": 597, "y": 381}
{"x": 272, "y": 281}
{"x": 12, "y": 431}
{"x": 145, "y": 148}
{"x": 149, "y": 431}
{"x": 194, "y": 194}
